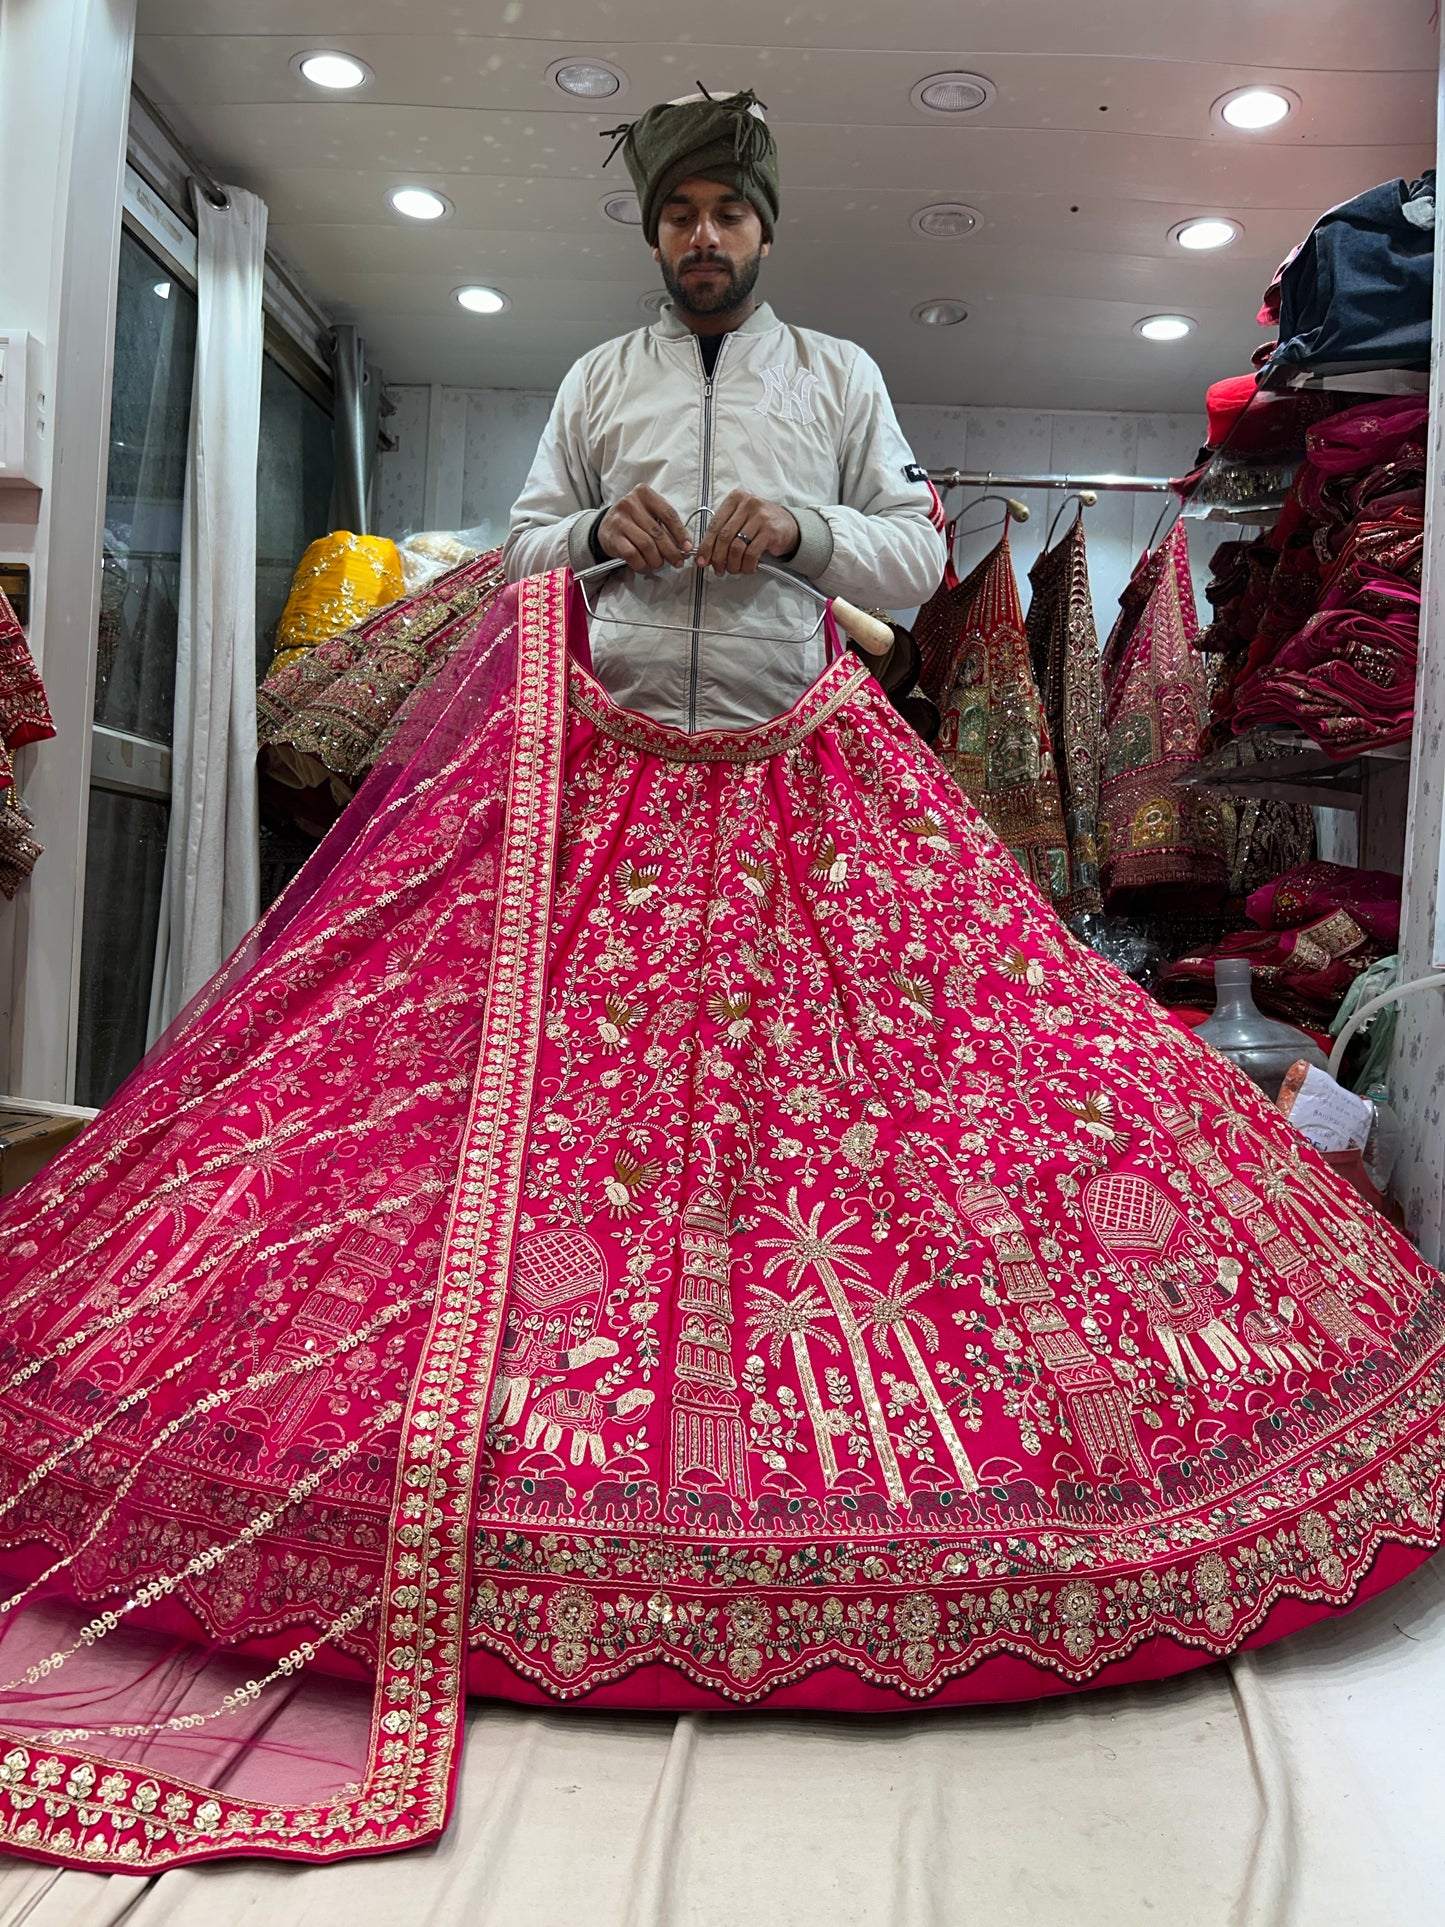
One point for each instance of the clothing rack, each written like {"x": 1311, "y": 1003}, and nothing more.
{"x": 980, "y": 478}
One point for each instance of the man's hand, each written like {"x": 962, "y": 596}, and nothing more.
{"x": 644, "y": 531}
{"x": 744, "y": 529}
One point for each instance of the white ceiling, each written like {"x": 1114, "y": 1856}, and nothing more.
{"x": 1102, "y": 106}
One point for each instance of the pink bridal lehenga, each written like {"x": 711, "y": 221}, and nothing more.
{"x": 659, "y": 1221}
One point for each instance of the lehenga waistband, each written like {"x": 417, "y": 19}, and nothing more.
{"x": 755, "y": 745}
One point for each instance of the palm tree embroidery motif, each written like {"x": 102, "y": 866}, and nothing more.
{"x": 798, "y": 1319}
{"x": 887, "y": 1316}
{"x": 825, "y": 1254}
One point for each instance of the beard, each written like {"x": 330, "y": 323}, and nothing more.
{"x": 724, "y": 296}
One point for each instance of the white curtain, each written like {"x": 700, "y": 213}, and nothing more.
{"x": 212, "y": 885}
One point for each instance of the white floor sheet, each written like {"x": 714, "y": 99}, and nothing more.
{"x": 1300, "y": 1787}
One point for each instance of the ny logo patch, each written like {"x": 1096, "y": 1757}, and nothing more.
{"x": 788, "y": 394}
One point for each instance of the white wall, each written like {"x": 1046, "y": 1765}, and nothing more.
{"x": 65, "y": 68}
{"x": 462, "y": 455}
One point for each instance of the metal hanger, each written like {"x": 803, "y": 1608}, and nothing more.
{"x": 1085, "y": 497}
{"x": 1178, "y": 508}
{"x": 1014, "y": 510}
{"x": 872, "y": 635}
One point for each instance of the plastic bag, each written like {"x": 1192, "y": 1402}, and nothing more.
{"x": 429, "y": 553}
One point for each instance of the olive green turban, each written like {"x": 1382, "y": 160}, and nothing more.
{"x": 712, "y": 140}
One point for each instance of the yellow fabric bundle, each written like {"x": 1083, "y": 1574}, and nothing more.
{"x": 339, "y": 581}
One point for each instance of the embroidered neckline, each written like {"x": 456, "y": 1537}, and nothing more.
{"x": 813, "y": 708}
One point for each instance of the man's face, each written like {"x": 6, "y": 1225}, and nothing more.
{"x": 709, "y": 245}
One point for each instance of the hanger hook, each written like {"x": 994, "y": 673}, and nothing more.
{"x": 1014, "y": 509}
{"x": 1085, "y": 497}
{"x": 1170, "y": 505}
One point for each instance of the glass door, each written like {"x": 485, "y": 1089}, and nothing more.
{"x": 130, "y": 784}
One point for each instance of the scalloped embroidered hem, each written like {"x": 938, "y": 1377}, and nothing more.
{"x": 1030, "y": 1624}
{"x": 999, "y": 1675}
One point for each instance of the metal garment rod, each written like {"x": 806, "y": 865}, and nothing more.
{"x": 978, "y": 478}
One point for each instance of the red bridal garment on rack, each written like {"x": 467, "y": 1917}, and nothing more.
{"x": 24, "y": 718}
{"x": 24, "y": 709}
{"x": 663, "y": 1221}
{"x": 1316, "y": 930}
{"x": 994, "y": 739}
{"x": 1161, "y": 841}
{"x": 1064, "y": 649}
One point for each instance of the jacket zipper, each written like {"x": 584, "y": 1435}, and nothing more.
{"x": 700, "y": 586}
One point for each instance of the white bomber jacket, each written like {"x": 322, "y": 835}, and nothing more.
{"x": 797, "y": 417}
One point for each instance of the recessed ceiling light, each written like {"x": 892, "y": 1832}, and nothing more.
{"x": 940, "y": 314}
{"x": 1164, "y": 327}
{"x": 586, "y": 78}
{"x": 419, "y": 203}
{"x": 625, "y": 209}
{"x": 952, "y": 93}
{"x": 1208, "y": 231}
{"x": 1251, "y": 108}
{"x": 335, "y": 71}
{"x": 655, "y": 302}
{"x": 482, "y": 300}
{"x": 947, "y": 220}
{"x": 163, "y": 289}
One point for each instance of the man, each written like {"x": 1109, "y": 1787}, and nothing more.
{"x": 715, "y": 439}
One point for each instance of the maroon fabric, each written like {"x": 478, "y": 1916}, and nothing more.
{"x": 1363, "y": 437}
{"x": 24, "y": 711}
{"x": 1334, "y": 650}
{"x": 1268, "y": 316}
{"x": 1347, "y": 679}
{"x": 1308, "y": 993}
{"x": 1372, "y": 897}
{"x": 1318, "y": 927}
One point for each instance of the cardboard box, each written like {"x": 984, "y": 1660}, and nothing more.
{"x": 31, "y": 1134}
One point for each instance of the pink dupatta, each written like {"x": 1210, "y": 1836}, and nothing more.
{"x": 154, "y": 1526}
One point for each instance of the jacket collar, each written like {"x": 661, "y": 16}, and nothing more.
{"x": 671, "y": 325}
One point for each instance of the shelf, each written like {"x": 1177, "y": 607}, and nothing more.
{"x": 1247, "y": 480}
{"x": 1298, "y": 771}
{"x": 1254, "y": 514}
{"x": 1367, "y": 381}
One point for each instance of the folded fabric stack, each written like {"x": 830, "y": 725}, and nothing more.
{"x": 1315, "y": 930}
{"x": 323, "y": 716}
{"x": 1318, "y": 621}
